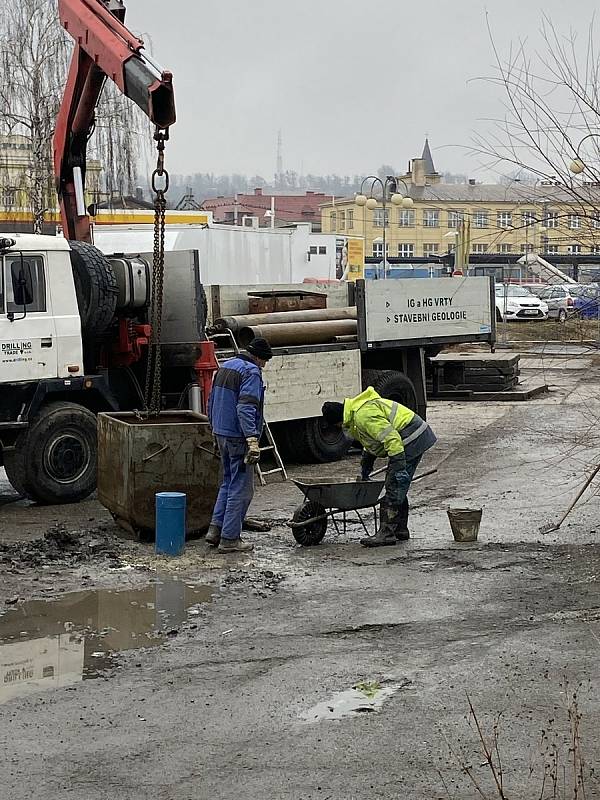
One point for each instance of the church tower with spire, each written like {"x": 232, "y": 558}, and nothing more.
{"x": 422, "y": 171}
{"x": 430, "y": 169}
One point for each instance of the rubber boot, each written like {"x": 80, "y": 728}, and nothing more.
{"x": 213, "y": 535}
{"x": 401, "y": 523}
{"x": 235, "y": 546}
{"x": 385, "y": 536}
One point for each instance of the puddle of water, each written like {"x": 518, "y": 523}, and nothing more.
{"x": 46, "y": 644}
{"x": 351, "y": 702}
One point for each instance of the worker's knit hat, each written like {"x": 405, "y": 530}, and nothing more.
{"x": 333, "y": 413}
{"x": 260, "y": 348}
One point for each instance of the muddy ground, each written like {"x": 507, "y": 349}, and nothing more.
{"x": 214, "y": 676}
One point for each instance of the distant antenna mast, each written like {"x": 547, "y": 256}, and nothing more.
{"x": 279, "y": 164}
{"x": 188, "y": 201}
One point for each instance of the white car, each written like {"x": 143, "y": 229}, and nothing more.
{"x": 515, "y": 302}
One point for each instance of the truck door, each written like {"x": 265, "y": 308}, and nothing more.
{"x": 28, "y": 342}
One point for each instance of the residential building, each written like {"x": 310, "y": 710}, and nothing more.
{"x": 509, "y": 218}
{"x": 254, "y": 210}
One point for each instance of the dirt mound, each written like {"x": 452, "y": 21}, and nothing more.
{"x": 61, "y": 546}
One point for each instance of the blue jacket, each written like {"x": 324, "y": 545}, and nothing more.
{"x": 235, "y": 405}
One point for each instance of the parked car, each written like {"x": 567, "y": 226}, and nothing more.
{"x": 587, "y": 304}
{"x": 515, "y": 302}
{"x": 560, "y": 299}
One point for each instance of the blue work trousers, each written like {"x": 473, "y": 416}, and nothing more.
{"x": 397, "y": 484}
{"x": 237, "y": 489}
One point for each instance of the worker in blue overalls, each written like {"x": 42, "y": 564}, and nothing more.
{"x": 235, "y": 411}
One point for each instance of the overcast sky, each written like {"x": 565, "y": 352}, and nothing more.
{"x": 351, "y": 84}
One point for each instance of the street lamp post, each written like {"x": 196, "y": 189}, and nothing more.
{"x": 578, "y": 164}
{"x": 389, "y": 191}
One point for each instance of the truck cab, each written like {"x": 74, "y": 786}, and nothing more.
{"x": 40, "y": 328}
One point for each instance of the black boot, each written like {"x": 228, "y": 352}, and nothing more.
{"x": 385, "y": 536}
{"x": 401, "y": 524}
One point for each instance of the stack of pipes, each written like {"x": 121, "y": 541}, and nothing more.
{"x": 312, "y": 326}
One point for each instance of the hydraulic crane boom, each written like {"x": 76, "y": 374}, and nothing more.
{"x": 104, "y": 48}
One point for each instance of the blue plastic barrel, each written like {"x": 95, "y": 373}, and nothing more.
{"x": 170, "y": 523}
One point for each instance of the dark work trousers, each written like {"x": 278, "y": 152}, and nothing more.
{"x": 397, "y": 484}
{"x": 237, "y": 489}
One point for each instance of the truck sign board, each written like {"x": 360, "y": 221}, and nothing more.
{"x": 425, "y": 310}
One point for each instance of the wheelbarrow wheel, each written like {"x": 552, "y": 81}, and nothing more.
{"x": 313, "y": 532}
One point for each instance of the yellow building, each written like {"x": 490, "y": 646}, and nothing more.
{"x": 515, "y": 218}
{"x": 15, "y": 186}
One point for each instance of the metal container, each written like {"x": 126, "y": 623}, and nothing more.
{"x": 139, "y": 457}
{"x": 270, "y": 302}
{"x": 465, "y": 523}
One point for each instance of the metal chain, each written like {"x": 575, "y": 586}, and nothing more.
{"x": 154, "y": 367}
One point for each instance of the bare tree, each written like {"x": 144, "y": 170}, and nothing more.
{"x": 552, "y": 101}
{"x": 34, "y": 56}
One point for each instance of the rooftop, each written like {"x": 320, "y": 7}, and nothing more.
{"x": 31, "y": 242}
{"x": 496, "y": 193}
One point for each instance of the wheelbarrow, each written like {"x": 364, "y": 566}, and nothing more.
{"x": 325, "y": 501}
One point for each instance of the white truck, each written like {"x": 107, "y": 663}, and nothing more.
{"x": 73, "y": 335}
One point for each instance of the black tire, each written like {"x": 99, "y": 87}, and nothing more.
{"x": 313, "y": 441}
{"x": 498, "y": 315}
{"x": 562, "y": 315}
{"x": 95, "y": 286}
{"x": 392, "y": 385}
{"x": 14, "y": 467}
{"x": 55, "y": 459}
{"x": 313, "y": 533}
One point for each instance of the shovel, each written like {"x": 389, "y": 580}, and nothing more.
{"x": 554, "y": 526}
{"x": 416, "y": 478}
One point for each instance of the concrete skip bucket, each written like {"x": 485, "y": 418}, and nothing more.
{"x": 138, "y": 457}
{"x": 465, "y": 523}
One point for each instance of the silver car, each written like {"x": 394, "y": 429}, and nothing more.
{"x": 560, "y": 299}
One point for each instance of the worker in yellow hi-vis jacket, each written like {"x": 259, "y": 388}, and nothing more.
{"x": 385, "y": 428}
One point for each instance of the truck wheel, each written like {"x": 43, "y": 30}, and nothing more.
{"x": 14, "y": 467}
{"x": 392, "y": 385}
{"x": 315, "y": 442}
{"x": 55, "y": 460}
{"x": 96, "y": 288}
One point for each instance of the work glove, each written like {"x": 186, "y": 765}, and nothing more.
{"x": 367, "y": 462}
{"x": 253, "y": 454}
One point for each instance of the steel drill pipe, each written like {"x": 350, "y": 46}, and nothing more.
{"x": 299, "y": 332}
{"x": 235, "y": 323}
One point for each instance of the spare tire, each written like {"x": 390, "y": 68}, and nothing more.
{"x": 95, "y": 286}
{"x": 392, "y": 385}
{"x": 313, "y": 441}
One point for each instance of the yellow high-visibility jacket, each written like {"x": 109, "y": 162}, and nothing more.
{"x": 376, "y": 422}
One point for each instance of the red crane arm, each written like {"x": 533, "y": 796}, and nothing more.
{"x": 104, "y": 48}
